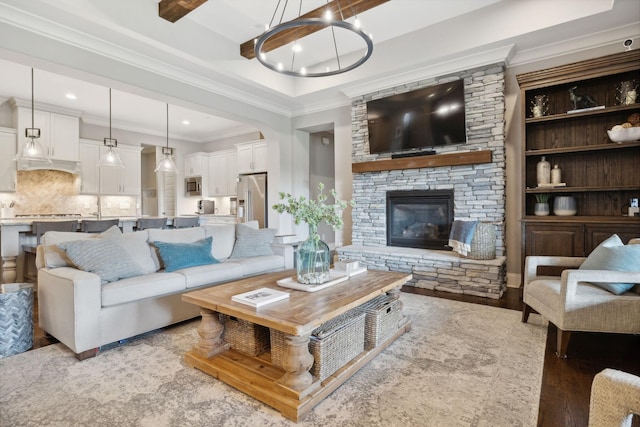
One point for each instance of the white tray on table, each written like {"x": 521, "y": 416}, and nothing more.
{"x": 335, "y": 277}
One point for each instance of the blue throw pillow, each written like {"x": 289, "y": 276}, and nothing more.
{"x": 176, "y": 256}
{"x": 612, "y": 254}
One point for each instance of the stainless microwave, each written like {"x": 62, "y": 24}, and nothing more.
{"x": 193, "y": 186}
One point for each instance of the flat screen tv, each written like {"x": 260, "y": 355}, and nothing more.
{"x": 418, "y": 120}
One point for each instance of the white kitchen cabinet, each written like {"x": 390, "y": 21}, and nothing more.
{"x": 193, "y": 164}
{"x": 222, "y": 173}
{"x": 7, "y": 164}
{"x": 122, "y": 181}
{"x": 89, "y": 152}
{"x": 59, "y": 133}
{"x": 252, "y": 157}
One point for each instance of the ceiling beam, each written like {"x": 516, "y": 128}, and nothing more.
{"x": 172, "y": 10}
{"x": 349, "y": 9}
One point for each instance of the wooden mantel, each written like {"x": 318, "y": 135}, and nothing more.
{"x": 448, "y": 159}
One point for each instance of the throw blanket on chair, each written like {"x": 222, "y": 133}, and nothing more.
{"x": 461, "y": 236}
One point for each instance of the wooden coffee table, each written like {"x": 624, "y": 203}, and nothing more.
{"x": 293, "y": 390}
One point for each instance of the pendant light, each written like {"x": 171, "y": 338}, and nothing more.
{"x": 32, "y": 151}
{"x": 111, "y": 158}
{"x": 166, "y": 164}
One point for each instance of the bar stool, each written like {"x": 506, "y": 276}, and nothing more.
{"x": 186, "y": 222}
{"x": 38, "y": 228}
{"x": 144, "y": 223}
{"x": 97, "y": 225}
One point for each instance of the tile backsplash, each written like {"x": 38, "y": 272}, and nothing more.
{"x": 53, "y": 192}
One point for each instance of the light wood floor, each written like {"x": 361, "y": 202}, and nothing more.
{"x": 566, "y": 383}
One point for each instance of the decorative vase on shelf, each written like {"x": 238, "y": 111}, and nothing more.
{"x": 312, "y": 260}
{"x": 543, "y": 172}
{"x": 556, "y": 175}
{"x": 541, "y": 209}
{"x": 564, "y": 206}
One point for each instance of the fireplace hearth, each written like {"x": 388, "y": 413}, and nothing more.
{"x": 419, "y": 218}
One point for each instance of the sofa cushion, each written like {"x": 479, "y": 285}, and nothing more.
{"x": 55, "y": 257}
{"x": 210, "y": 274}
{"x": 140, "y": 287}
{"x": 181, "y": 235}
{"x": 176, "y": 256}
{"x": 612, "y": 254}
{"x": 251, "y": 242}
{"x": 224, "y": 237}
{"x": 258, "y": 264}
{"x": 108, "y": 258}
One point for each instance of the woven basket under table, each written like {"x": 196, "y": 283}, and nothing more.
{"x": 244, "y": 336}
{"x": 383, "y": 319}
{"x": 332, "y": 344}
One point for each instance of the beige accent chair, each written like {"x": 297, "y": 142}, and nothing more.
{"x": 572, "y": 304}
{"x": 615, "y": 397}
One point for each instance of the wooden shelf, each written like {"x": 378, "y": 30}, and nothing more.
{"x": 571, "y": 150}
{"x": 565, "y": 116}
{"x": 582, "y": 219}
{"x": 448, "y": 159}
{"x": 582, "y": 189}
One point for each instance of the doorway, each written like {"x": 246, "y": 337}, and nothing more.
{"x": 322, "y": 170}
{"x": 159, "y": 190}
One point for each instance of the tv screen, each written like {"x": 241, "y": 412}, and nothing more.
{"x": 424, "y": 118}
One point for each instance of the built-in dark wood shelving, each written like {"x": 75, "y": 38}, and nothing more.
{"x": 436, "y": 160}
{"x": 571, "y": 150}
{"x": 581, "y": 219}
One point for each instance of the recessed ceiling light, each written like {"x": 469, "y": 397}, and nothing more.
{"x": 186, "y": 122}
{"x": 71, "y": 96}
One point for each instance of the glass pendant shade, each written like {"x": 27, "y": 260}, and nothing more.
{"x": 166, "y": 164}
{"x": 111, "y": 158}
{"x": 33, "y": 151}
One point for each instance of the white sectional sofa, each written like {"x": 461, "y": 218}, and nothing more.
{"x": 85, "y": 312}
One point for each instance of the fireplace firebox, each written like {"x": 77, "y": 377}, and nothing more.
{"x": 419, "y": 218}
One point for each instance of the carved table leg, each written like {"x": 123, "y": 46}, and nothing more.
{"x": 9, "y": 269}
{"x": 210, "y": 331}
{"x": 297, "y": 362}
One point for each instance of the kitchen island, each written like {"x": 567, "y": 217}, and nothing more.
{"x": 16, "y": 232}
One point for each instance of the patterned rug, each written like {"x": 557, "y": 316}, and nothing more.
{"x": 461, "y": 364}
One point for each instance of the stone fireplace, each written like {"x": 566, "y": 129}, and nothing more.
{"x": 419, "y": 218}
{"x": 477, "y": 189}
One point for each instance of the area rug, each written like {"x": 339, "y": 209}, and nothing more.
{"x": 461, "y": 364}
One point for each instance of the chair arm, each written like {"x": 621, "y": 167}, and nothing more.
{"x": 286, "y": 251}
{"x": 615, "y": 395}
{"x": 570, "y": 278}
{"x": 533, "y": 262}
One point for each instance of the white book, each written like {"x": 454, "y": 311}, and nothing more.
{"x": 260, "y": 297}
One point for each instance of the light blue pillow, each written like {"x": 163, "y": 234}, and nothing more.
{"x": 176, "y": 256}
{"x": 252, "y": 242}
{"x": 612, "y": 254}
{"x": 108, "y": 258}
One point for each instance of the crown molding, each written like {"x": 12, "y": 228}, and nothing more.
{"x": 459, "y": 63}
{"x": 50, "y": 108}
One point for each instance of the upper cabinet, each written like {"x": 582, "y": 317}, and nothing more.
{"x": 193, "y": 164}
{"x": 7, "y": 164}
{"x": 567, "y": 112}
{"x": 252, "y": 157}
{"x": 223, "y": 171}
{"x": 89, "y": 173}
{"x": 59, "y": 133}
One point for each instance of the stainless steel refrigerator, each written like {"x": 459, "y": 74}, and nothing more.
{"x": 252, "y": 198}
